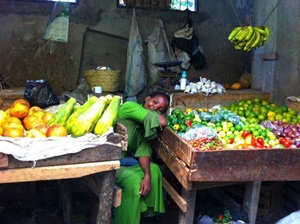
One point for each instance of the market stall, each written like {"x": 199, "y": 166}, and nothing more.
{"x": 197, "y": 169}
{"x": 81, "y": 153}
{"x": 102, "y": 160}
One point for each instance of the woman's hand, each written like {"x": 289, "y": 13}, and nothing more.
{"x": 145, "y": 185}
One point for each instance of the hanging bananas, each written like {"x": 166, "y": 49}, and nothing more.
{"x": 249, "y": 37}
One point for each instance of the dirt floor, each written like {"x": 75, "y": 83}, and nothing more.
{"x": 40, "y": 203}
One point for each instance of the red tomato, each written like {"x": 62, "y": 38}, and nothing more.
{"x": 188, "y": 123}
{"x": 245, "y": 133}
{"x": 287, "y": 144}
{"x": 230, "y": 141}
{"x": 260, "y": 142}
{"x": 220, "y": 217}
{"x": 282, "y": 140}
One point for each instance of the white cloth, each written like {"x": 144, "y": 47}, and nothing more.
{"x": 33, "y": 149}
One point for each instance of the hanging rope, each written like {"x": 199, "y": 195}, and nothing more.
{"x": 271, "y": 12}
{"x": 235, "y": 13}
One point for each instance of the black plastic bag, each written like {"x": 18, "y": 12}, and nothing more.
{"x": 39, "y": 93}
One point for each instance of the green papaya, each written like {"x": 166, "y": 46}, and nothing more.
{"x": 85, "y": 122}
{"x": 63, "y": 113}
{"x": 79, "y": 110}
{"x": 109, "y": 117}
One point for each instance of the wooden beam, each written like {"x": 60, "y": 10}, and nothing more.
{"x": 56, "y": 172}
{"x": 3, "y": 160}
{"x": 182, "y": 204}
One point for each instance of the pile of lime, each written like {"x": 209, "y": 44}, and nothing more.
{"x": 258, "y": 110}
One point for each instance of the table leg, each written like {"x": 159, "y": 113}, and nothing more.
{"x": 188, "y": 216}
{"x": 66, "y": 196}
{"x": 106, "y": 197}
{"x": 251, "y": 199}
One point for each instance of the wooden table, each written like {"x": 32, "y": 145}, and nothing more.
{"x": 101, "y": 160}
{"x": 197, "y": 170}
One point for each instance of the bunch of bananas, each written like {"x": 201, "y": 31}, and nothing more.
{"x": 249, "y": 37}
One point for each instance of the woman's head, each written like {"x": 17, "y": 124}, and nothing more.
{"x": 157, "y": 101}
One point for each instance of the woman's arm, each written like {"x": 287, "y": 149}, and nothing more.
{"x": 146, "y": 182}
{"x": 163, "y": 120}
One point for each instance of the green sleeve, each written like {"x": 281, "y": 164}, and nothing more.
{"x": 133, "y": 111}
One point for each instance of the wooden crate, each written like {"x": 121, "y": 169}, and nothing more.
{"x": 231, "y": 165}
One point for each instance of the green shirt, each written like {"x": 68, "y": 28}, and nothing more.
{"x": 142, "y": 126}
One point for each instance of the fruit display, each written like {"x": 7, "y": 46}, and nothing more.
{"x": 246, "y": 124}
{"x": 249, "y": 37}
{"x": 22, "y": 120}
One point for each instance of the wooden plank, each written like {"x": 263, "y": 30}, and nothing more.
{"x": 188, "y": 216}
{"x": 177, "y": 167}
{"x": 56, "y": 172}
{"x": 3, "y": 160}
{"x": 251, "y": 198}
{"x": 182, "y": 204}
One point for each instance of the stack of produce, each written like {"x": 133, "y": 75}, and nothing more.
{"x": 96, "y": 116}
{"x": 247, "y": 124}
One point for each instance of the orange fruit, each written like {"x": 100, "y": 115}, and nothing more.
{"x": 13, "y": 125}
{"x": 1, "y": 131}
{"x": 42, "y": 128}
{"x": 31, "y": 121}
{"x": 19, "y": 110}
{"x": 47, "y": 116}
{"x": 13, "y": 120}
{"x": 34, "y": 109}
{"x": 39, "y": 114}
{"x": 34, "y": 133}
{"x": 57, "y": 130}
{"x": 23, "y": 101}
{"x": 13, "y": 132}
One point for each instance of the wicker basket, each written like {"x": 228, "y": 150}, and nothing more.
{"x": 108, "y": 79}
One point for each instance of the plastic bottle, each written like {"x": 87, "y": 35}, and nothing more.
{"x": 183, "y": 80}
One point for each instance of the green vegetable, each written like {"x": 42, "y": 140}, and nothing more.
{"x": 79, "y": 110}
{"x": 109, "y": 117}
{"x": 85, "y": 122}
{"x": 63, "y": 113}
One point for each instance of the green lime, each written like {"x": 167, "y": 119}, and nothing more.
{"x": 284, "y": 108}
{"x": 238, "y": 127}
{"x": 257, "y": 100}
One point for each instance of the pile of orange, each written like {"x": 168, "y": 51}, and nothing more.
{"x": 22, "y": 120}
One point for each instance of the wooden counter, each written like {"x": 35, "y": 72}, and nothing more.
{"x": 199, "y": 170}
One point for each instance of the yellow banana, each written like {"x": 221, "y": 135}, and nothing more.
{"x": 237, "y": 47}
{"x": 234, "y": 32}
{"x": 250, "y": 42}
{"x": 243, "y": 34}
{"x": 257, "y": 39}
{"x": 260, "y": 30}
{"x": 250, "y": 32}
{"x": 267, "y": 30}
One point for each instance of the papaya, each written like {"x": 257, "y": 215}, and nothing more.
{"x": 109, "y": 117}
{"x": 63, "y": 113}
{"x": 85, "y": 122}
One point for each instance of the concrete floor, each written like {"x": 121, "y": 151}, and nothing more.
{"x": 40, "y": 203}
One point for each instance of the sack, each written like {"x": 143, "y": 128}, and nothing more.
{"x": 39, "y": 93}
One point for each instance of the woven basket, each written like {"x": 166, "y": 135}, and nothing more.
{"x": 108, "y": 79}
